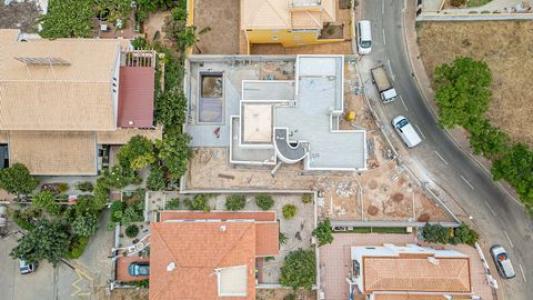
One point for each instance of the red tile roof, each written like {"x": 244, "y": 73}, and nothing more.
{"x": 198, "y": 247}
{"x": 136, "y": 97}
{"x": 123, "y": 262}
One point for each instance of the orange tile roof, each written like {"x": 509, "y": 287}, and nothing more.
{"x": 416, "y": 273}
{"x": 199, "y": 247}
{"x": 123, "y": 263}
{"x": 216, "y": 215}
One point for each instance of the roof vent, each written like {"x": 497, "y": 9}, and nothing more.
{"x": 171, "y": 266}
{"x": 222, "y": 228}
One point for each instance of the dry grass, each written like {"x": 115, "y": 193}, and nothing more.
{"x": 507, "y": 47}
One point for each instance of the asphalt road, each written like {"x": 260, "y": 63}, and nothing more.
{"x": 496, "y": 215}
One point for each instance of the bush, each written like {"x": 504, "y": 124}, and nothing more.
{"x": 457, "y": 3}
{"x": 137, "y": 153}
{"x": 264, "y": 201}
{"x": 199, "y": 202}
{"x": 46, "y": 200}
{"x": 77, "y": 247}
{"x": 324, "y": 233}
{"x": 173, "y": 204}
{"x": 436, "y": 234}
{"x": 140, "y": 43}
{"x": 307, "y": 198}
{"x": 117, "y": 210}
{"x": 282, "y": 238}
{"x": 299, "y": 269}
{"x": 68, "y": 19}
{"x": 289, "y": 211}
{"x": 465, "y": 235}
{"x": 63, "y": 187}
{"x": 156, "y": 179}
{"x": 132, "y": 231}
{"x": 235, "y": 202}
{"x": 24, "y": 218}
{"x": 131, "y": 215}
{"x": 85, "y": 225}
{"x": 85, "y": 186}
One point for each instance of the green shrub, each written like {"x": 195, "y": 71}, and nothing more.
{"x": 85, "y": 186}
{"x": 144, "y": 284}
{"x": 199, "y": 202}
{"x": 264, "y": 201}
{"x": 156, "y": 179}
{"x": 436, "y": 234}
{"x": 465, "y": 235}
{"x": 282, "y": 238}
{"x": 299, "y": 270}
{"x": 131, "y": 215}
{"x": 63, "y": 187}
{"x": 24, "y": 218}
{"x": 46, "y": 200}
{"x": 235, "y": 202}
{"x": 68, "y": 19}
{"x": 137, "y": 153}
{"x": 323, "y": 232}
{"x": 77, "y": 247}
{"x": 132, "y": 231}
{"x": 117, "y": 210}
{"x": 289, "y": 211}
{"x": 173, "y": 204}
{"x": 140, "y": 43}
{"x": 307, "y": 198}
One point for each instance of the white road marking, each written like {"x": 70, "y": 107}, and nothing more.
{"x": 490, "y": 208}
{"x": 383, "y": 7}
{"x": 467, "y": 182}
{"x": 441, "y": 158}
{"x": 384, "y": 41}
{"x": 420, "y": 130}
{"x": 523, "y": 273}
{"x": 390, "y": 70}
{"x": 508, "y": 238}
{"x": 403, "y": 103}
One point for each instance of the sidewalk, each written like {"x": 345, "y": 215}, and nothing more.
{"x": 458, "y": 135}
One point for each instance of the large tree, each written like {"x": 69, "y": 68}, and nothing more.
{"x": 462, "y": 91}
{"x": 47, "y": 240}
{"x": 68, "y": 19}
{"x": 46, "y": 201}
{"x": 299, "y": 269}
{"x": 137, "y": 153}
{"x": 17, "y": 180}
{"x": 174, "y": 153}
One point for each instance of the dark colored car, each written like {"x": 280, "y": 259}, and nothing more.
{"x": 502, "y": 262}
{"x": 139, "y": 269}
{"x": 27, "y": 268}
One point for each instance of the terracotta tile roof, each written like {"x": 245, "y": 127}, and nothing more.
{"x": 412, "y": 273}
{"x": 165, "y": 215}
{"x": 277, "y": 14}
{"x": 197, "y": 249}
{"x": 77, "y": 96}
{"x": 266, "y": 238}
{"x": 136, "y": 97}
{"x": 54, "y": 153}
{"x": 410, "y": 297}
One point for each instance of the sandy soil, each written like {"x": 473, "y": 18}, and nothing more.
{"x": 21, "y": 15}
{"x": 218, "y": 24}
{"x": 507, "y": 47}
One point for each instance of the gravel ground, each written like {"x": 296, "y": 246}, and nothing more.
{"x": 21, "y": 15}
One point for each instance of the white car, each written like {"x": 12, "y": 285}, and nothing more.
{"x": 502, "y": 262}
{"x": 406, "y": 131}
{"x": 364, "y": 37}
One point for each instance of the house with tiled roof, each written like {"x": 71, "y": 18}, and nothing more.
{"x": 409, "y": 272}
{"x": 209, "y": 255}
{"x": 288, "y": 22}
{"x": 65, "y": 102}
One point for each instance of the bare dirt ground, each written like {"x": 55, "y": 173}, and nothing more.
{"x": 280, "y": 294}
{"x": 345, "y": 47}
{"x": 507, "y": 47}
{"x": 21, "y": 16}
{"x": 129, "y": 294}
{"x": 218, "y": 24}
{"x": 152, "y": 27}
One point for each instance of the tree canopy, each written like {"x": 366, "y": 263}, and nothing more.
{"x": 46, "y": 200}
{"x": 462, "y": 91}
{"x": 137, "y": 153}
{"x": 323, "y": 232}
{"x": 17, "y": 180}
{"x": 47, "y": 240}
{"x": 68, "y": 19}
{"x": 299, "y": 269}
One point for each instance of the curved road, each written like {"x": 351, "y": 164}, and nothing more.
{"x": 498, "y": 218}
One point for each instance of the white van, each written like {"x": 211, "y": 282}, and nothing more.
{"x": 406, "y": 131}
{"x": 364, "y": 37}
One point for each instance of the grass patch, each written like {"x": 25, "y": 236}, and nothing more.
{"x": 476, "y": 3}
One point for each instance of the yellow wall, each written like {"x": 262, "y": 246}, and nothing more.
{"x": 287, "y": 38}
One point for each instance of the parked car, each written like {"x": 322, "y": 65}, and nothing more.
{"x": 364, "y": 37}
{"x": 406, "y": 131}
{"x": 139, "y": 269}
{"x": 27, "y": 268}
{"x": 502, "y": 262}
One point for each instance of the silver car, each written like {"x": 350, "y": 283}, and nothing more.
{"x": 502, "y": 262}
